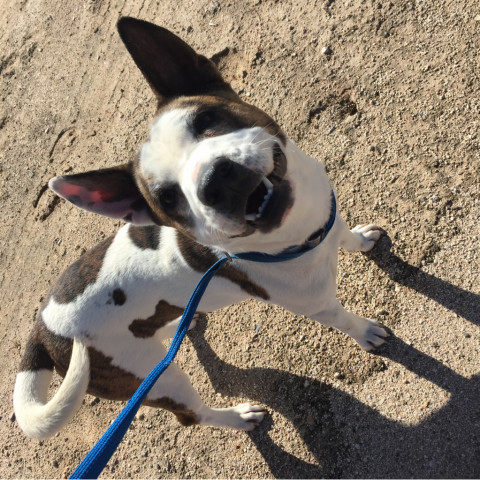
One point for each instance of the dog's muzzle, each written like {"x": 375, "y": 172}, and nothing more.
{"x": 225, "y": 186}
{"x": 246, "y": 196}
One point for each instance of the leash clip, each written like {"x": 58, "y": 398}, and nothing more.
{"x": 229, "y": 258}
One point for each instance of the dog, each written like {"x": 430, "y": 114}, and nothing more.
{"x": 216, "y": 175}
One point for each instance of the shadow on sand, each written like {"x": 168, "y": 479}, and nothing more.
{"x": 445, "y": 445}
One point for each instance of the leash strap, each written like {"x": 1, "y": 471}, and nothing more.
{"x": 95, "y": 461}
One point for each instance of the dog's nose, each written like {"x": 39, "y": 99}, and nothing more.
{"x": 225, "y": 186}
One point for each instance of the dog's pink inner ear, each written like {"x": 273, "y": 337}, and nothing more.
{"x": 109, "y": 192}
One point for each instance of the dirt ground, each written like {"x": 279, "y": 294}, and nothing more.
{"x": 387, "y": 94}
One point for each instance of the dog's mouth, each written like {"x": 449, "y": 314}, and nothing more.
{"x": 268, "y": 203}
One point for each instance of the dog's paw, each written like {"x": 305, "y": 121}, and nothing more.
{"x": 367, "y": 235}
{"x": 373, "y": 335}
{"x": 245, "y": 416}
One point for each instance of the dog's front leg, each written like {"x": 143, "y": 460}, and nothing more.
{"x": 367, "y": 333}
{"x": 361, "y": 238}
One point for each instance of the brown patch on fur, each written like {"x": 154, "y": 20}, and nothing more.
{"x": 75, "y": 279}
{"x": 106, "y": 380}
{"x": 234, "y": 113}
{"x": 164, "y": 313}
{"x": 185, "y": 416}
{"x": 36, "y": 356}
{"x": 201, "y": 258}
{"x": 145, "y": 237}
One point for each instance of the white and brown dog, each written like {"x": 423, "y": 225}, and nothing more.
{"x": 217, "y": 175}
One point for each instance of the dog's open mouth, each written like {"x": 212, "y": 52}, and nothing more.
{"x": 267, "y": 204}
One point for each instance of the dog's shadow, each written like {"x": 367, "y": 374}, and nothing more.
{"x": 442, "y": 445}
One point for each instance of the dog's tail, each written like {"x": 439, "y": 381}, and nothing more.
{"x": 40, "y": 418}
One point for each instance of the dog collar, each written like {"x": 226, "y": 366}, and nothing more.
{"x": 295, "y": 251}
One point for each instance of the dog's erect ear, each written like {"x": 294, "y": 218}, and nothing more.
{"x": 171, "y": 67}
{"x": 111, "y": 192}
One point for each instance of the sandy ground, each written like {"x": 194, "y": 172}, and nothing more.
{"x": 387, "y": 94}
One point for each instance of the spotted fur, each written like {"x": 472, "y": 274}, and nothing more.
{"x": 216, "y": 175}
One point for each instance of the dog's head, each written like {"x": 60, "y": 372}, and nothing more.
{"x": 214, "y": 167}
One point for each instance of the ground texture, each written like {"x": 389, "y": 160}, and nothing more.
{"x": 387, "y": 94}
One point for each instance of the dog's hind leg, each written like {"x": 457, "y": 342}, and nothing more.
{"x": 174, "y": 392}
{"x": 361, "y": 238}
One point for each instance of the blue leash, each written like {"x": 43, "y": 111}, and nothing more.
{"x": 95, "y": 461}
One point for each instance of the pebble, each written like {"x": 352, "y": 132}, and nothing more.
{"x": 326, "y": 51}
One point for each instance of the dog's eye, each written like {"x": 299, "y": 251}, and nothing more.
{"x": 204, "y": 122}
{"x": 168, "y": 197}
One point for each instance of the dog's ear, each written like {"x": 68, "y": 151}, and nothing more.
{"x": 171, "y": 67}
{"x": 111, "y": 192}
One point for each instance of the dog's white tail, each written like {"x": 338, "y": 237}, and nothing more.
{"x": 40, "y": 418}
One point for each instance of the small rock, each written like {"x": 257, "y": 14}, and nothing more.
{"x": 327, "y": 51}
{"x": 426, "y": 403}
{"x": 215, "y": 6}
{"x": 12, "y": 417}
{"x": 144, "y": 453}
{"x": 55, "y": 463}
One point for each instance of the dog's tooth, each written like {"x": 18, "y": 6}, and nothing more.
{"x": 251, "y": 217}
{"x": 268, "y": 184}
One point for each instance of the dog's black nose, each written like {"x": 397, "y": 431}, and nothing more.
{"x": 225, "y": 186}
